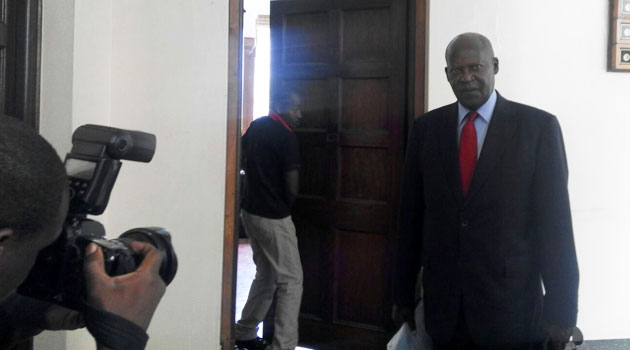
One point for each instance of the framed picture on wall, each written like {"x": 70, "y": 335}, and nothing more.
{"x": 622, "y": 8}
{"x": 619, "y": 51}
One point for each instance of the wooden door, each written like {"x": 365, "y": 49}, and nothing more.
{"x": 347, "y": 59}
{"x": 20, "y": 33}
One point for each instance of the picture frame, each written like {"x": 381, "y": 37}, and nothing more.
{"x": 619, "y": 47}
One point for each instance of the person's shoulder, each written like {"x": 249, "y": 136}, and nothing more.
{"x": 523, "y": 110}
{"x": 532, "y": 111}
{"x": 260, "y": 122}
{"x": 276, "y": 132}
{"x": 263, "y": 126}
{"x": 439, "y": 112}
{"x": 528, "y": 115}
{"x": 435, "y": 116}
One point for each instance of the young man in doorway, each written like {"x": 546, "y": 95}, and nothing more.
{"x": 271, "y": 161}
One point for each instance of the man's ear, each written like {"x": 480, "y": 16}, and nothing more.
{"x": 5, "y": 234}
{"x": 495, "y": 63}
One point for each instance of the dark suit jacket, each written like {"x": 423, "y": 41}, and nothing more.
{"x": 487, "y": 253}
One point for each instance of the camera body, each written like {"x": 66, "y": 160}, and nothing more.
{"x": 93, "y": 165}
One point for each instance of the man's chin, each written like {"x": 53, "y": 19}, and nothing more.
{"x": 471, "y": 101}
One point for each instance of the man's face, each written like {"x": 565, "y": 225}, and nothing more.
{"x": 291, "y": 113}
{"x": 470, "y": 70}
{"x": 17, "y": 256}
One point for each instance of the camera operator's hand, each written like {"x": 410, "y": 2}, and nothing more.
{"x": 60, "y": 318}
{"x": 133, "y": 296}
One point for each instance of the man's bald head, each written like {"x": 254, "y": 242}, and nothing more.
{"x": 469, "y": 41}
{"x": 470, "y": 69}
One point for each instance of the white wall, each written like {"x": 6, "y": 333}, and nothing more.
{"x": 169, "y": 77}
{"x": 57, "y": 59}
{"x": 553, "y": 55}
{"x": 158, "y": 66}
{"x": 56, "y": 101}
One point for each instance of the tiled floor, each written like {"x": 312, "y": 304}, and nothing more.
{"x": 612, "y": 344}
{"x": 245, "y": 273}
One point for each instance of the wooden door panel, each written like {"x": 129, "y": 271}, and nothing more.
{"x": 315, "y": 105}
{"x": 313, "y": 171}
{"x": 346, "y": 58}
{"x": 313, "y": 247}
{"x": 365, "y": 104}
{"x": 364, "y": 174}
{"x": 19, "y": 59}
{"x": 359, "y": 296}
{"x": 302, "y": 32}
{"x": 365, "y": 35}
{"x": 4, "y": 42}
{"x": 306, "y": 38}
{"x": 362, "y": 216}
{"x": 368, "y": 138}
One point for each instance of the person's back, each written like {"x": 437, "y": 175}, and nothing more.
{"x": 269, "y": 150}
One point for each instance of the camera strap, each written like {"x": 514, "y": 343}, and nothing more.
{"x": 114, "y": 331}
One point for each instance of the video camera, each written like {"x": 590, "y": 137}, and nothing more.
{"x": 92, "y": 166}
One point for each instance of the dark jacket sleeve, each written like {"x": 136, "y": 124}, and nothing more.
{"x": 20, "y": 318}
{"x": 558, "y": 261}
{"x": 409, "y": 238}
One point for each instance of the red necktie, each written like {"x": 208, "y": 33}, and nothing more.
{"x": 468, "y": 150}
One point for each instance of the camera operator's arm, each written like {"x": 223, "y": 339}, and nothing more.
{"x": 133, "y": 296}
{"x": 23, "y": 317}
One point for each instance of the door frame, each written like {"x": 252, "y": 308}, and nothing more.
{"x": 25, "y": 30}
{"x": 230, "y": 226}
{"x": 25, "y": 61}
{"x": 416, "y": 82}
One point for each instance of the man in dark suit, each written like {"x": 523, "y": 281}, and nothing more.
{"x": 485, "y": 213}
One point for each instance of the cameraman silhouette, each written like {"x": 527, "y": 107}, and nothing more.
{"x": 34, "y": 199}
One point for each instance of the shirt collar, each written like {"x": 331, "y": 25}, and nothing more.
{"x": 485, "y": 111}
{"x": 275, "y": 116}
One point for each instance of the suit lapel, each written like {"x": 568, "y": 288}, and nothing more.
{"x": 498, "y": 136}
{"x": 450, "y": 152}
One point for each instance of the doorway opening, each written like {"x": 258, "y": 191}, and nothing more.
{"x": 256, "y": 61}
{"x": 359, "y": 68}
{"x": 256, "y": 77}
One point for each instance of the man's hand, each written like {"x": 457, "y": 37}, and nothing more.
{"x": 556, "y": 337}
{"x": 133, "y": 296}
{"x": 402, "y": 314}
